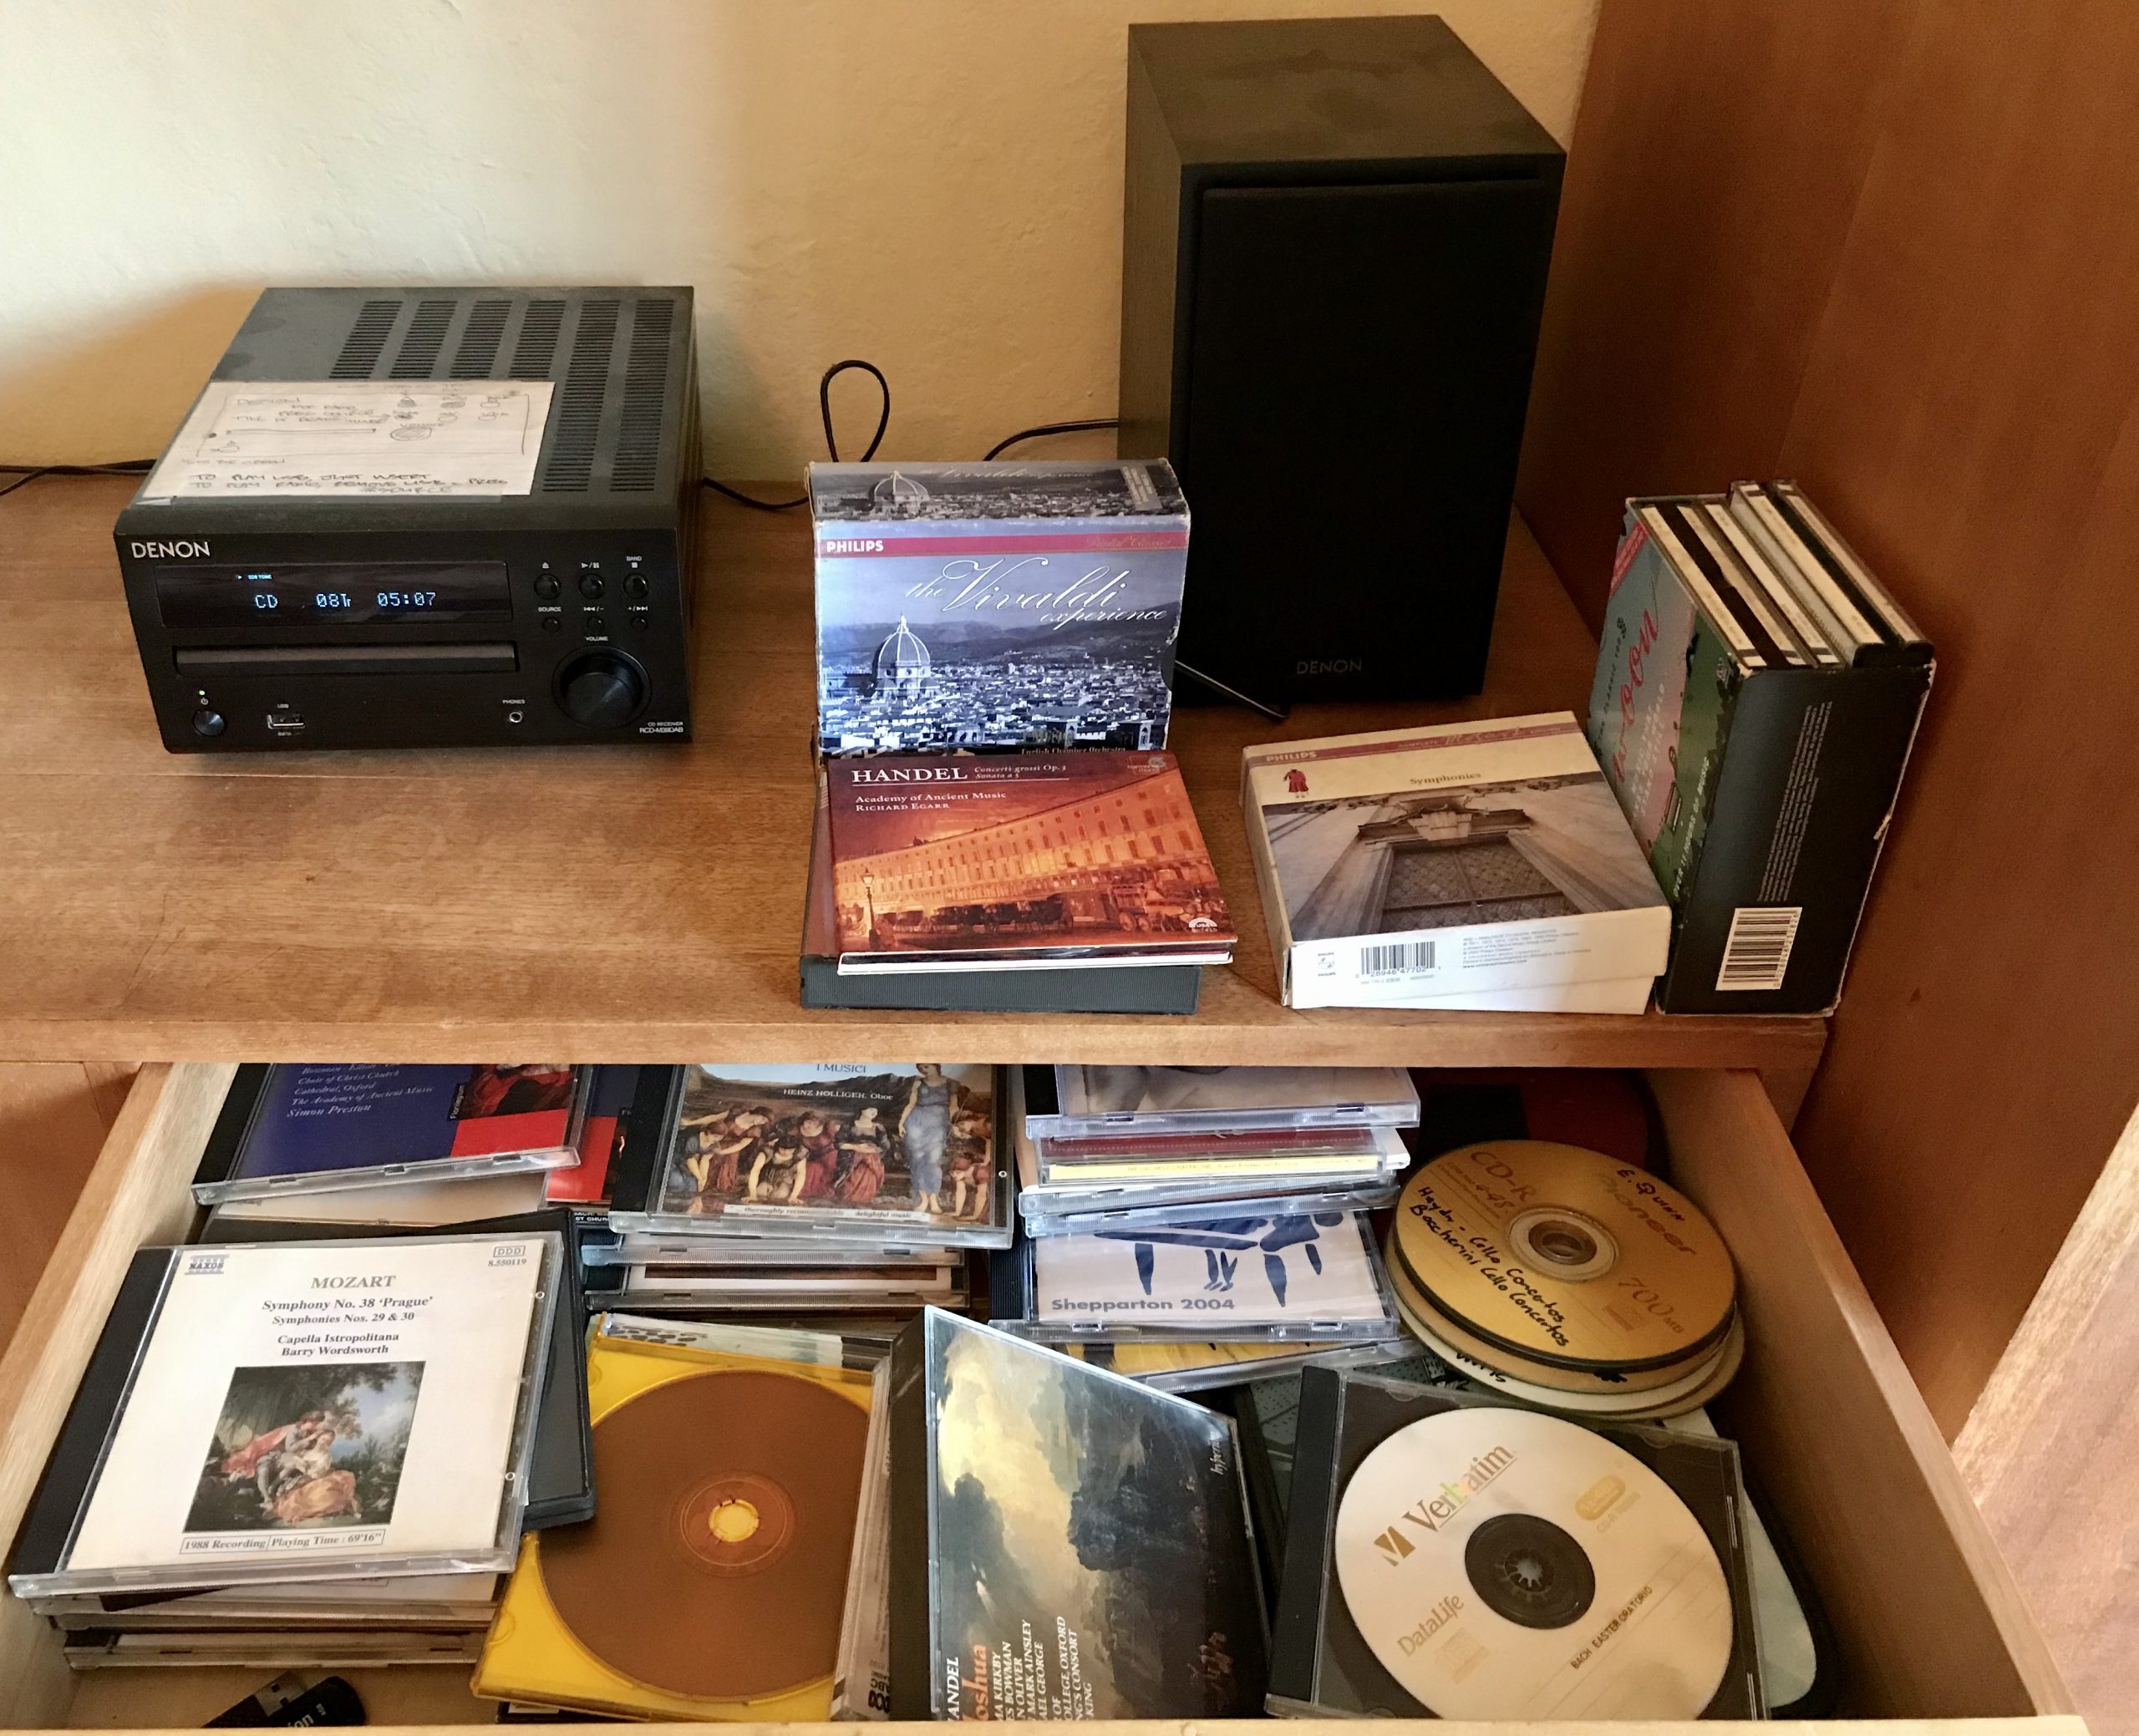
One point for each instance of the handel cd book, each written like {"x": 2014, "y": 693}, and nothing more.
{"x": 996, "y": 606}
{"x": 1065, "y": 1543}
{"x": 300, "y": 1411}
{"x": 1482, "y": 865}
{"x": 1029, "y": 861}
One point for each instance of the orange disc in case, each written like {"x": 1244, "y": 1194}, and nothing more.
{"x": 716, "y": 1563}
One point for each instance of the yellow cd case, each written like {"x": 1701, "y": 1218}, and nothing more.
{"x": 532, "y": 1655}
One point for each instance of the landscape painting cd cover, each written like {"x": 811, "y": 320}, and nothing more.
{"x": 1088, "y": 1545}
{"x": 998, "y": 605}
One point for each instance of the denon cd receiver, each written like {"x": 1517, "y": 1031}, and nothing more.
{"x": 426, "y": 517}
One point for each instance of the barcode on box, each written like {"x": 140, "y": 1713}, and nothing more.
{"x": 1400, "y": 959}
{"x": 1757, "y": 952}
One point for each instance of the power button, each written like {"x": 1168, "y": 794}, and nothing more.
{"x": 206, "y": 722}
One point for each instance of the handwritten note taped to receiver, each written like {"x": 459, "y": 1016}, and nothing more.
{"x": 356, "y": 437}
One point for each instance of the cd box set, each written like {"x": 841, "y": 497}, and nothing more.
{"x": 996, "y": 607}
{"x": 1482, "y": 866}
{"x": 1020, "y": 862}
{"x": 1454, "y": 1556}
{"x": 1756, "y": 695}
{"x": 1065, "y": 985}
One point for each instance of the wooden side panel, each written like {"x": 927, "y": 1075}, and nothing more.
{"x": 1929, "y": 1616}
{"x": 1888, "y": 246}
{"x": 2048, "y": 1453}
{"x": 1972, "y": 414}
{"x": 1709, "y": 191}
{"x": 135, "y": 1196}
{"x": 55, "y": 1116}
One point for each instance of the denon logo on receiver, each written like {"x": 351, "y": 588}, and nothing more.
{"x": 169, "y": 550}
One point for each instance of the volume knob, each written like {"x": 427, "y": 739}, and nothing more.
{"x": 602, "y": 690}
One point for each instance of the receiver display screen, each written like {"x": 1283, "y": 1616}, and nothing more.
{"x": 234, "y": 596}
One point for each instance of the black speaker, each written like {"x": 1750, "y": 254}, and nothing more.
{"x": 1335, "y": 236}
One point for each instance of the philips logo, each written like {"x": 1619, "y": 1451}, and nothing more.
{"x": 169, "y": 550}
{"x": 1330, "y": 666}
{"x": 851, "y": 545}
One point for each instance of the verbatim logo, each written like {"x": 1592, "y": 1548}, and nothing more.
{"x": 1436, "y": 1508}
{"x": 169, "y": 550}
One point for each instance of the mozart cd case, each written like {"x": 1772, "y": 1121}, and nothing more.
{"x": 300, "y": 1411}
{"x": 317, "y": 1127}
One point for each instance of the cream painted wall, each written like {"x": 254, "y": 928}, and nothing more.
{"x": 935, "y": 185}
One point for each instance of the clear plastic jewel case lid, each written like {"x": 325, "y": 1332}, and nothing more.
{"x": 1050, "y": 1189}
{"x": 301, "y": 1412}
{"x": 1076, "y": 1098}
{"x": 330, "y": 1127}
{"x": 1121, "y": 1219}
{"x": 1314, "y": 1276}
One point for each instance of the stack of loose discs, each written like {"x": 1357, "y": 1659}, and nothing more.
{"x": 1567, "y": 1279}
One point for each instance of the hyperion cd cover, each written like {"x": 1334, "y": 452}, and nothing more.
{"x": 1066, "y": 1543}
{"x": 909, "y": 1146}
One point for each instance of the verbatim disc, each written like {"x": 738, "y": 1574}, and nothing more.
{"x": 1507, "y": 1565}
{"x": 1565, "y": 1257}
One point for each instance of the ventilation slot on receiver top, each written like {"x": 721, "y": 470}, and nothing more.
{"x": 646, "y": 379}
{"x": 362, "y": 349}
{"x": 422, "y": 341}
{"x": 478, "y": 354}
{"x": 535, "y": 353}
{"x": 577, "y": 417}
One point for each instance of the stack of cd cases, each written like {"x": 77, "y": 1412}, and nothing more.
{"x": 795, "y": 1189}
{"x": 1204, "y": 1208}
{"x": 337, "y": 1439}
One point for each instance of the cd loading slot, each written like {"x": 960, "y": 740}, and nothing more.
{"x": 480, "y": 659}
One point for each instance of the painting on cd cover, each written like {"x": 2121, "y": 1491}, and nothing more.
{"x": 307, "y": 1443}
{"x": 835, "y": 1140}
{"x": 1090, "y": 1548}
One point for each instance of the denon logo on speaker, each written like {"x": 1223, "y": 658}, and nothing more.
{"x": 1330, "y": 666}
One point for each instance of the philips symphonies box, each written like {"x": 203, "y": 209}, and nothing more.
{"x": 1462, "y": 866}
{"x": 996, "y": 607}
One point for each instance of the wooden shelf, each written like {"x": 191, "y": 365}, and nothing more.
{"x": 624, "y": 904}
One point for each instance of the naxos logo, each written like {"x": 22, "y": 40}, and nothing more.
{"x": 182, "y": 550}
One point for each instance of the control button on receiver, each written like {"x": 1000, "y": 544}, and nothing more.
{"x": 591, "y": 585}
{"x": 551, "y": 623}
{"x": 208, "y": 721}
{"x": 546, "y": 586}
{"x": 603, "y": 689}
{"x": 636, "y": 584}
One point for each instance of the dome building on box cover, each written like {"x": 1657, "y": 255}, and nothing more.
{"x": 902, "y": 661}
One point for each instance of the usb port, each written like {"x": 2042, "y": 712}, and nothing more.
{"x": 283, "y": 721}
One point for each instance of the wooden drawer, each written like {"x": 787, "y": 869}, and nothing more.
{"x": 1931, "y": 1623}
